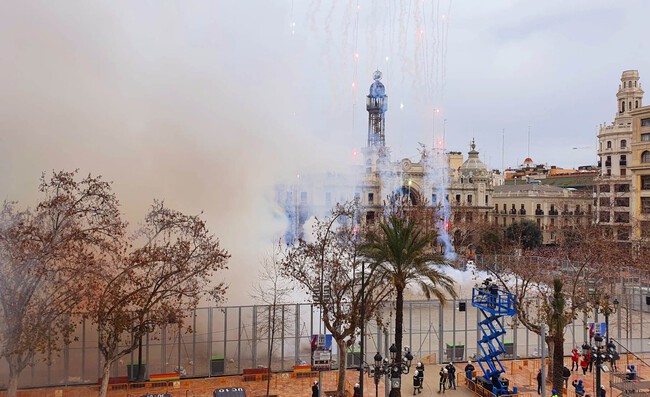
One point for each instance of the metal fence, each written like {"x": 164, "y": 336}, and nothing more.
{"x": 228, "y": 340}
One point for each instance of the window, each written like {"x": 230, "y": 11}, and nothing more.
{"x": 603, "y": 201}
{"x": 370, "y": 217}
{"x": 622, "y": 217}
{"x": 623, "y": 172}
{"x": 623, "y": 143}
{"x": 622, "y": 202}
{"x": 624, "y": 234}
{"x": 609, "y": 144}
{"x": 645, "y": 157}
{"x": 645, "y": 182}
{"x": 486, "y": 199}
{"x": 645, "y": 122}
{"x": 496, "y": 208}
{"x": 522, "y": 210}
{"x": 622, "y": 106}
{"x": 622, "y": 188}
{"x": 623, "y": 160}
{"x": 604, "y": 216}
{"x": 578, "y": 210}
{"x": 604, "y": 188}
{"x": 458, "y": 198}
{"x": 645, "y": 229}
{"x": 371, "y": 198}
{"x": 636, "y": 103}
{"x": 645, "y": 205}
{"x": 469, "y": 198}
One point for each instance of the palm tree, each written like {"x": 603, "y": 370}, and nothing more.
{"x": 401, "y": 250}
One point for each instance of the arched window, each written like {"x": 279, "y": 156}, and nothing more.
{"x": 635, "y": 83}
{"x": 636, "y": 104}
{"x": 622, "y": 106}
{"x": 623, "y": 144}
{"x": 645, "y": 157}
{"x": 629, "y": 105}
{"x": 609, "y": 144}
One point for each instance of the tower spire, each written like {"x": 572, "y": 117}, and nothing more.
{"x": 376, "y": 105}
{"x": 630, "y": 94}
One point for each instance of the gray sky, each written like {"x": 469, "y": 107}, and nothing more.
{"x": 207, "y": 104}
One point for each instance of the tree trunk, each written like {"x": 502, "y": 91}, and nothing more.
{"x": 106, "y": 374}
{"x": 558, "y": 361}
{"x": 14, "y": 373}
{"x": 340, "y": 387}
{"x": 556, "y": 354}
{"x": 399, "y": 319}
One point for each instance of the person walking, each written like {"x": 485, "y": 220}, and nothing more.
{"x": 357, "y": 390}
{"x": 554, "y": 393}
{"x": 603, "y": 391}
{"x": 539, "y": 381}
{"x": 575, "y": 359}
{"x": 443, "y": 380}
{"x": 314, "y": 389}
{"x": 566, "y": 374}
{"x": 590, "y": 358}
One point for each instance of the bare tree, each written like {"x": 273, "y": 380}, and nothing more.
{"x": 43, "y": 256}
{"x": 162, "y": 274}
{"x": 332, "y": 259}
{"x": 273, "y": 290}
{"x": 552, "y": 284}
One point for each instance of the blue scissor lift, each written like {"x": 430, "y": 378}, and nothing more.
{"x": 493, "y": 303}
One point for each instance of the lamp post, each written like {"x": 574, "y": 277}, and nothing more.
{"x": 393, "y": 368}
{"x": 601, "y": 356}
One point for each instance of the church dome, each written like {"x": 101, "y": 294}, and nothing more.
{"x": 473, "y": 166}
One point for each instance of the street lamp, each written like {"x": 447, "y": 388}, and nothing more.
{"x": 601, "y": 357}
{"x": 393, "y": 368}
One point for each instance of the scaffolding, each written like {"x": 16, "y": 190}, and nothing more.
{"x": 492, "y": 304}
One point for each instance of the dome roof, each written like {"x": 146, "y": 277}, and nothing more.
{"x": 473, "y": 166}
{"x": 377, "y": 89}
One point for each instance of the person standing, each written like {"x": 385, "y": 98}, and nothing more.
{"x": 590, "y": 361}
{"x": 451, "y": 375}
{"x": 357, "y": 390}
{"x": 575, "y": 358}
{"x": 539, "y": 381}
{"x": 417, "y": 385}
{"x": 580, "y": 388}
{"x": 566, "y": 374}
{"x": 554, "y": 393}
{"x": 314, "y": 389}
{"x": 420, "y": 369}
{"x": 584, "y": 364}
{"x": 603, "y": 391}
{"x": 443, "y": 380}
{"x": 469, "y": 368}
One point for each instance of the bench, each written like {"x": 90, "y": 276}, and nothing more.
{"x": 254, "y": 374}
{"x": 166, "y": 377}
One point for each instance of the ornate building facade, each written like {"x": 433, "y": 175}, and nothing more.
{"x": 612, "y": 188}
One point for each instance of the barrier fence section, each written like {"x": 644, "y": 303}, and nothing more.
{"x": 229, "y": 340}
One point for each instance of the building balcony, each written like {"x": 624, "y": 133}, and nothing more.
{"x": 553, "y": 213}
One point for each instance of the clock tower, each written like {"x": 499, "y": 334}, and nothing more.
{"x": 376, "y": 105}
